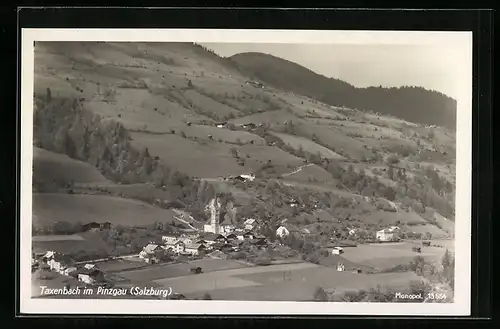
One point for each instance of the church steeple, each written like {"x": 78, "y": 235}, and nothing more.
{"x": 215, "y": 207}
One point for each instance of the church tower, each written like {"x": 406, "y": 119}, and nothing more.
{"x": 214, "y": 225}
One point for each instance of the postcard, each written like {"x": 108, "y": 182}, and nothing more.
{"x": 275, "y": 172}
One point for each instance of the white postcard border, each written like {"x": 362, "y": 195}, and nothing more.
{"x": 461, "y": 306}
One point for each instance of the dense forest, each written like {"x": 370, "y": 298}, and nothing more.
{"x": 414, "y": 104}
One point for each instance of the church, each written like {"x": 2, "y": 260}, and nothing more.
{"x": 220, "y": 221}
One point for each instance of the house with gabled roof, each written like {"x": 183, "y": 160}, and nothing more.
{"x": 169, "y": 238}
{"x": 194, "y": 249}
{"x": 151, "y": 253}
{"x": 175, "y": 246}
{"x": 250, "y": 224}
{"x": 90, "y": 276}
{"x": 59, "y": 262}
{"x": 212, "y": 238}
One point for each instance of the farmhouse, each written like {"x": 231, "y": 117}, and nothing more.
{"x": 92, "y": 227}
{"x": 70, "y": 271}
{"x": 59, "y": 262}
{"x": 105, "y": 226}
{"x": 176, "y": 246}
{"x": 337, "y": 251}
{"x": 285, "y": 230}
{"x": 150, "y": 253}
{"x": 194, "y": 249}
{"x": 90, "y": 266}
{"x": 90, "y": 276}
{"x": 282, "y": 231}
{"x": 249, "y": 224}
{"x": 388, "y": 234}
{"x": 48, "y": 256}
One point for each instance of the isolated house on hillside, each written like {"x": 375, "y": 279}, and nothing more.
{"x": 105, "y": 226}
{"x": 337, "y": 251}
{"x": 91, "y": 267}
{"x": 388, "y": 234}
{"x": 288, "y": 229}
{"x": 92, "y": 227}
{"x": 282, "y": 232}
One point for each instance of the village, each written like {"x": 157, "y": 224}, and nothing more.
{"x": 220, "y": 238}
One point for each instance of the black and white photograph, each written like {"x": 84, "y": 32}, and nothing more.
{"x": 251, "y": 171}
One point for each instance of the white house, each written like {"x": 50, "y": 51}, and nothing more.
{"x": 282, "y": 231}
{"x": 90, "y": 266}
{"x": 385, "y": 235}
{"x": 59, "y": 262}
{"x": 186, "y": 240}
{"x": 248, "y": 177}
{"x": 69, "y": 270}
{"x": 48, "y": 256}
{"x": 149, "y": 252}
{"x": 90, "y": 276}
{"x": 194, "y": 249}
{"x": 337, "y": 251}
{"x": 176, "y": 246}
{"x": 227, "y": 225}
{"x": 169, "y": 238}
{"x": 249, "y": 224}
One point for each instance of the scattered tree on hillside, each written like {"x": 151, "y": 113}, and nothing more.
{"x": 320, "y": 295}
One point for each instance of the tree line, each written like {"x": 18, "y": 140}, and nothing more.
{"x": 414, "y": 104}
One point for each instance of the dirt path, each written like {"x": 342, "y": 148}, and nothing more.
{"x": 299, "y": 169}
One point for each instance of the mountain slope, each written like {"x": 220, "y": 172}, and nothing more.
{"x": 414, "y": 104}
{"x": 178, "y": 116}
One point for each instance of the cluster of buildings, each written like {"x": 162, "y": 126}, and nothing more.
{"x": 63, "y": 264}
{"x": 220, "y": 234}
{"x": 199, "y": 244}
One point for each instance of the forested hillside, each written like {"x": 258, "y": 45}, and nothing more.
{"x": 414, "y": 104}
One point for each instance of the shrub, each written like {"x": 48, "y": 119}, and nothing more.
{"x": 262, "y": 261}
